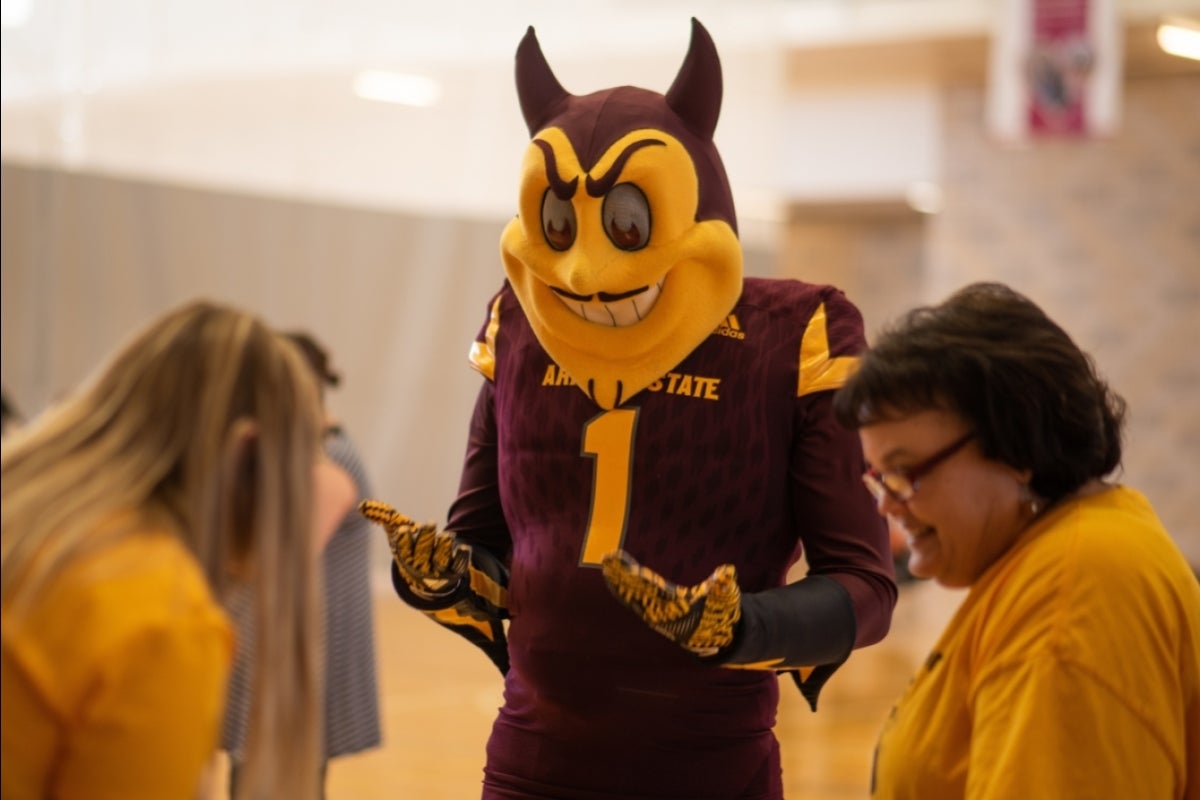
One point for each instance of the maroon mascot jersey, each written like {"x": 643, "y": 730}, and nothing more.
{"x": 642, "y": 398}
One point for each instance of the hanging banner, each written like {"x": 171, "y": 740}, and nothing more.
{"x": 1055, "y": 69}
{"x": 1061, "y": 57}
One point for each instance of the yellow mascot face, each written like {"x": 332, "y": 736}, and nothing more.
{"x": 624, "y": 254}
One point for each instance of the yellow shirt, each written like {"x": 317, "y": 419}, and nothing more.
{"x": 113, "y": 686}
{"x": 1071, "y": 670}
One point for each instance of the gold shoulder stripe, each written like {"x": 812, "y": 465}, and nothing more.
{"x": 451, "y": 616}
{"x": 483, "y": 354}
{"x": 770, "y": 663}
{"x": 487, "y": 588}
{"x": 819, "y": 371}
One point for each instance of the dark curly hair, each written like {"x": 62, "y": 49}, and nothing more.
{"x": 993, "y": 357}
{"x": 316, "y": 356}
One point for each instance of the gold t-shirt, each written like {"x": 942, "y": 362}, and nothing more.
{"x": 113, "y": 686}
{"x": 1071, "y": 670}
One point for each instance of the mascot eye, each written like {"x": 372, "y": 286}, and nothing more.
{"x": 626, "y": 217}
{"x": 558, "y": 221}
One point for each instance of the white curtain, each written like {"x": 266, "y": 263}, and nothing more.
{"x": 397, "y": 299}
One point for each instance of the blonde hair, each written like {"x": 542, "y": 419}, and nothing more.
{"x": 207, "y": 424}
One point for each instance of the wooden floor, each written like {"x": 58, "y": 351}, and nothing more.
{"x": 440, "y": 695}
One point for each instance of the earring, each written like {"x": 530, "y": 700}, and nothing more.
{"x": 1030, "y": 500}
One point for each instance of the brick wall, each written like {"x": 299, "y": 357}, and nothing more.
{"x": 1104, "y": 234}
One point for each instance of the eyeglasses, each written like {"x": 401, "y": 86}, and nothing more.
{"x": 901, "y": 484}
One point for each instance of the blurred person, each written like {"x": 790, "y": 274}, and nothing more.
{"x": 190, "y": 462}
{"x": 9, "y": 416}
{"x": 351, "y": 707}
{"x": 1072, "y": 667}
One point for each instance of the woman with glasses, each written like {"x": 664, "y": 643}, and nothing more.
{"x": 1071, "y": 667}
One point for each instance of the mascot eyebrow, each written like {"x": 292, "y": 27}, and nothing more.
{"x": 596, "y": 187}
{"x": 592, "y": 123}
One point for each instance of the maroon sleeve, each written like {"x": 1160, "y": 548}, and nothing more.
{"x": 844, "y": 536}
{"x": 476, "y": 516}
{"x": 847, "y": 598}
{"x": 477, "y": 519}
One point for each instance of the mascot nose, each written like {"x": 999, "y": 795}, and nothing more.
{"x": 577, "y": 274}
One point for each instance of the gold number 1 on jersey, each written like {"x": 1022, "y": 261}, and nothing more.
{"x": 608, "y": 441}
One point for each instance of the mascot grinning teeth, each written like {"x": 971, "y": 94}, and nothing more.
{"x": 651, "y": 451}
{"x": 614, "y": 310}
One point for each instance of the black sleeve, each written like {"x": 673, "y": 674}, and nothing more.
{"x": 809, "y": 623}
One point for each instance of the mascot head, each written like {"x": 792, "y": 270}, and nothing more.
{"x": 624, "y": 253}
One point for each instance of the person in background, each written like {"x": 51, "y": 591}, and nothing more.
{"x": 9, "y": 417}
{"x": 190, "y": 462}
{"x": 1072, "y": 667}
{"x": 351, "y": 709}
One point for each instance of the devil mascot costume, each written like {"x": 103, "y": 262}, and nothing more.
{"x": 651, "y": 451}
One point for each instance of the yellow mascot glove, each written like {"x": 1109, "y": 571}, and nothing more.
{"x": 701, "y": 618}
{"x": 430, "y": 561}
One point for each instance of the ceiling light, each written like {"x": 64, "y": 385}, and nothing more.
{"x": 1180, "y": 37}
{"x": 16, "y": 12}
{"x": 397, "y": 87}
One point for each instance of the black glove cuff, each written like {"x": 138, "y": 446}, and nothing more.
{"x": 425, "y": 602}
{"x": 810, "y": 623}
{"x": 806, "y": 623}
